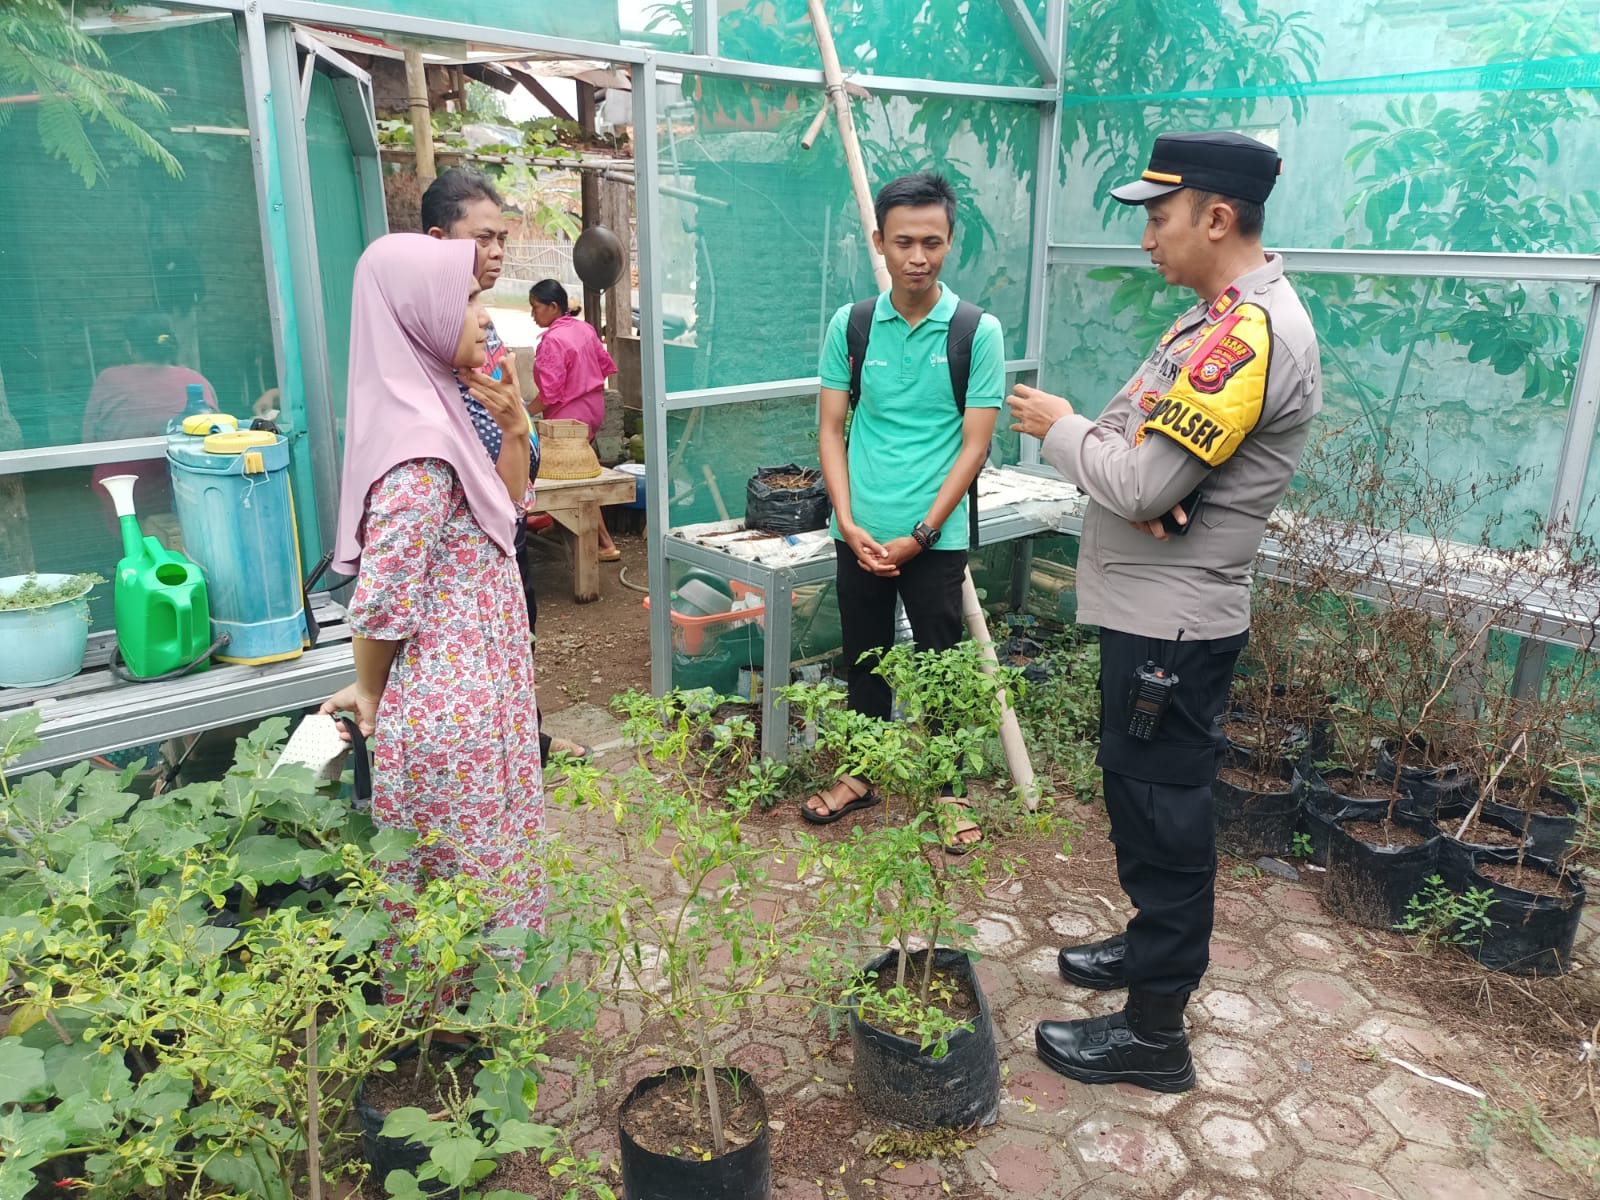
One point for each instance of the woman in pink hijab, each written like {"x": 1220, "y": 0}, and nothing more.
{"x": 444, "y": 673}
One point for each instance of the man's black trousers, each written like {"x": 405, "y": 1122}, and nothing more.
{"x": 930, "y": 588}
{"x": 1158, "y": 795}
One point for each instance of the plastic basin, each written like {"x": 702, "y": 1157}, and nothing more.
{"x": 42, "y": 645}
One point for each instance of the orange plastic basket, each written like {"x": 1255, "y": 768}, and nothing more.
{"x": 698, "y": 635}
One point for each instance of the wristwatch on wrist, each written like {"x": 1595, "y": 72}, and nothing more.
{"x": 926, "y": 536}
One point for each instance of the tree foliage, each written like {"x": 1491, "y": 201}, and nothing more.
{"x": 51, "y": 66}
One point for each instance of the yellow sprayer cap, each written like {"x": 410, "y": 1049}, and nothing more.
{"x": 201, "y": 424}
{"x": 238, "y": 441}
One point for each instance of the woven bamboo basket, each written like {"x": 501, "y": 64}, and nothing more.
{"x": 565, "y": 452}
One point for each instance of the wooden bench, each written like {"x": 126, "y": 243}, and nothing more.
{"x": 575, "y": 505}
{"x": 94, "y": 712}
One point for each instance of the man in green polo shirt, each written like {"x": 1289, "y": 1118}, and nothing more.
{"x": 899, "y": 489}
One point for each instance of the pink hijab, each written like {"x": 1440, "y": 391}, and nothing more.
{"x": 410, "y": 295}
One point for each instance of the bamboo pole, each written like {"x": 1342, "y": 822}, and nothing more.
{"x": 421, "y": 115}
{"x": 1016, "y": 751}
{"x": 313, "y": 1107}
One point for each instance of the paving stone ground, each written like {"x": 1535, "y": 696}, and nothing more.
{"x": 1294, "y": 1034}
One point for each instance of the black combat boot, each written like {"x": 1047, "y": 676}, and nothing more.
{"x": 1144, "y": 1045}
{"x": 1099, "y": 965}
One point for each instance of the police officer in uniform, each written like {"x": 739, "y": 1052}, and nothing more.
{"x": 1182, "y": 470}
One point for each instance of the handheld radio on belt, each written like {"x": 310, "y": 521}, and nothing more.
{"x": 1152, "y": 696}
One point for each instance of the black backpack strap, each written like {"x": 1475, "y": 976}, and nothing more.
{"x": 958, "y": 350}
{"x": 856, "y": 336}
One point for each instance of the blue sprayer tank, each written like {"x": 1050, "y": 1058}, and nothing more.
{"x": 231, "y": 492}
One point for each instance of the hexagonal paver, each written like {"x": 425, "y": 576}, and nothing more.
{"x": 1020, "y": 1163}
{"x": 1076, "y": 927}
{"x": 1413, "y": 1039}
{"x": 998, "y": 981}
{"x": 1237, "y": 1069}
{"x": 1124, "y": 1097}
{"x": 1015, "y": 1024}
{"x": 1235, "y": 910}
{"x": 1421, "y": 1111}
{"x": 1295, "y": 902}
{"x": 1041, "y": 964}
{"x": 1230, "y": 1139}
{"x": 1315, "y": 948}
{"x": 1240, "y": 1013}
{"x": 1336, "y": 1125}
{"x": 1041, "y": 1088}
{"x": 1318, "y": 996}
{"x": 1236, "y": 961}
{"x": 1132, "y": 1147}
{"x": 907, "y": 1180}
{"x": 1426, "y": 1173}
{"x": 996, "y": 935}
{"x": 1231, "y": 1192}
{"x": 791, "y": 1187}
{"x": 767, "y": 1053}
{"x": 1322, "y": 1179}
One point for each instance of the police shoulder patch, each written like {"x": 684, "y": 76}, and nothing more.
{"x": 1216, "y": 400}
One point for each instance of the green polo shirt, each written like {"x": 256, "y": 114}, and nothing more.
{"x": 906, "y": 432}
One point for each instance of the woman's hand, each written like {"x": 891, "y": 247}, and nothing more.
{"x": 353, "y": 700}
{"x": 500, "y": 396}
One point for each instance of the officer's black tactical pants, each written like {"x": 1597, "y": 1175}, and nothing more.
{"x": 1158, "y": 795}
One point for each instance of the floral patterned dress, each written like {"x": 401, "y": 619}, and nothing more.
{"x": 457, "y": 746}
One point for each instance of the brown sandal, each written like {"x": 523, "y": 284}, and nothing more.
{"x": 864, "y": 799}
{"x": 957, "y": 847}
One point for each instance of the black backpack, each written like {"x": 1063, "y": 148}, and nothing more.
{"x": 958, "y": 353}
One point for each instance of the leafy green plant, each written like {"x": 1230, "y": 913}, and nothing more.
{"x": 1300, "y": 847}
{"x": 1438, "y": 916}
{"x": 1060, "y": 715}
{"x": 1131, "y": 64}
{"x": 57, "y": 69}
{"x": 696, "y": 957}
{"x": 33, "y": 594}
{"x": 1577, "y": 1154}
{"x": 162, "y": 1043}
{"x": 1465, "y": 178}
{"x": 897, "y": 880}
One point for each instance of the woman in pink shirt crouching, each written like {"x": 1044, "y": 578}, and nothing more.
{"x": 570, "y": 367}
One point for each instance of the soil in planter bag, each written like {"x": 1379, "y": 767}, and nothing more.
{"x": 1321, "y": 807}
{"x": 896, "y": 1080}
{"x": 1251, "y": 823}
{"x": 1426, "y": 787}
{"x": 744, "y": 1173}
{"x": 1455, "y": 857}
{"x": 385, "y": 1154}
{"x": 1292, "y": 740}
{"x": 785, "y": 510}
{"x": 1371, "y": 885}
{"x": 1529, "y": 934}
{"x": 1551, "y": 835}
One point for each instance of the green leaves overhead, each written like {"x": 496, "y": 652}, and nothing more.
{"x": 1127, "y": 48}
{"x": 50, "y": 66}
